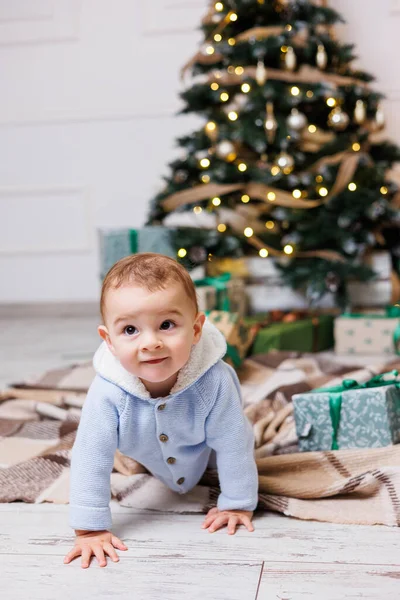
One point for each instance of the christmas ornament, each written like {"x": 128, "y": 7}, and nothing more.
{"x": 290, "y": 59}
{"x": 360, "y": 112}
{"x": 180, "y": 176}
{"x": 285, "y": 3}
{"x": 321, "y": 58}
{"x": 285, "y": 162}
{"x": 379, "y": 119}
{"x": 239, "y": 101}
{"x": 332, "y": 282}
{"x": 197, "y": 254}
{"x": 211, "y": 130}
{"x": 338, "y": 119}
{"x": 261, "y": 73}
{"x": 226, "y": 150}
{"x": 271, "y": 124}
{"x": 296, "y": 120}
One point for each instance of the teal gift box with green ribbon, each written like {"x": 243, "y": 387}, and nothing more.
{"x": 222, "y": 293}
{"x": 368, "y": 333}
{"x": 239, "y": 336}
{"x": 118, "y": 243}
{"x": 351, "y": 415}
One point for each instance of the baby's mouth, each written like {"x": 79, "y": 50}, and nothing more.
{"x": 155, "y": 361}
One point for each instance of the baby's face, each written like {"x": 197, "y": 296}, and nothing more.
{"x": 151, "y": 333}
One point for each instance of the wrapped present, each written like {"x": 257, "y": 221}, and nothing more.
{"x": 368, "y": 333}
{"x": 312, "y": 334}
{"x": 229, "y": 294}
{"x": 118, "y": 243}
{"x": 239, "y": 336}
{"x": 351, "y": 415}
{"x": 383, "y": 290}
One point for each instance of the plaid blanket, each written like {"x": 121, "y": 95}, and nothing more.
{"x": 39, "y": 419}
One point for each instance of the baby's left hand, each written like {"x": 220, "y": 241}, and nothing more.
{"x": 216, "y": 519}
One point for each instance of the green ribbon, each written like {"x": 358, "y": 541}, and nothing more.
{"x": 391, "y": 312}
{"x": 133, "y": 240}
{"x": 335, "y": 398}
{"x": 233, "y": 354}
{"x": 220, "y": 284}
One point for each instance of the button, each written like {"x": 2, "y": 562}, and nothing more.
{"x": 171, "y": 460}
{"x": 161, "y": 406}
{"x": 180, "y": 480}
{"x": 163, "y": 437}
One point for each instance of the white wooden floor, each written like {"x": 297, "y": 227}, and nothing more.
{"x": 169, "y": 556}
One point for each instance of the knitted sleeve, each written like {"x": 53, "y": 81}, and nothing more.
{"x": 92, "y": 457}
{"x": 230, "y": 434}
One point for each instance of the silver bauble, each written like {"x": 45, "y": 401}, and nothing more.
{"x": 261, "y": 73}
{"x": 225, "y": 149}
{"x": 360, "y": 112}
{"x": 338, "y": 119}
{"x": 296, "y": 120}
{"x": 284, "y": 161}
{"x": 321, "y": 58}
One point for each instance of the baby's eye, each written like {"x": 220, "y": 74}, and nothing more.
{"x": 167, "y": 325}
{"x": 130, "y": 330}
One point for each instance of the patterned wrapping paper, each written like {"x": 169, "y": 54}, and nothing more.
{"x": 340, "y": 418}
{"x": 369, "y": 334}
{"x": 222, "y": 293}
{"x": 238, "y": 335}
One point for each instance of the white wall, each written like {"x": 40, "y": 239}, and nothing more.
{"x": 89, "y": 89}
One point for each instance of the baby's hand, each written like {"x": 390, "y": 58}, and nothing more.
{"x": 96, "y": 543}
{"x": 216, "y": 519}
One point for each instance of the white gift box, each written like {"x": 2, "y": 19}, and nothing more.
{"x": 369, "y": 334}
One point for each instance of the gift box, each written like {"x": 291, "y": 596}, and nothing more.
{"x": 312, "y": 334}
{"x": 239, "y": 336}
{"x": 381, "y": 291}
{"x": 118, "y": 243}
{"x": 351, "y": 415}
{"x": 222, "y": 293}
{"x": 368, "y": 333}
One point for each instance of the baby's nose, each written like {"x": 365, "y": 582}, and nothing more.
{"x": 151, "y": 342}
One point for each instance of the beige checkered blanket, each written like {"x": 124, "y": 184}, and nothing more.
{"x": 39, "y": 419}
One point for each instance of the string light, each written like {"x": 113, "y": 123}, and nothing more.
{"x": 211, "y": 126}
{"x": 284, "y": 48}
{"x": 233, "y": 17}
{"x": 356, "y": 147}
{"x": 263, "y": 253}
{"x": 182, "y": 252}
{"x": 245, "y": 88}
{"x": 288, "y": 27}
{"x": 384, "y": 190}
{"x": 217, "y": 37}
{"x": 248, "y": 232}
{"x": 216, "y": 201}
{"x": 197, "y": 210}
{"x": 232, "y": 116}
{"x": 295, "y": 91}
{"x": 214, "y": 86}
{"x": 271, "y": 196}
{"x": 312, "y": 128}
{"x": 323, "y": 192}
{"x": 224, "y": 97}
{"x": 205, "y": 178}
{"x": 275, "y": 170}
{"x": 221, "y": 227}
{"x": 288, "y": 249}
{"x": 231, "y": 69}
{"x": 310, "y": 94}
{"x": 239, "y": 70}
{"x": 219, "y": 6}
{"x": 231, "y": 41}
{"x": 296, "y": 194}
{"x": 352, "y": 186}
{"x": 270, "y": 225}
{"x": 205, "y": 162}
{"x": 242, "y": 167}
{"x": 245, "y": 198}
{"x": 210, "y": 50}
{"x": 319, "y": 179}
{"x": 331, "y": 102}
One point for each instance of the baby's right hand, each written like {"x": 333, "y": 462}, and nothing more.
{"x": 97, "y": 543}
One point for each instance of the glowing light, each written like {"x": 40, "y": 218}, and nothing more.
{"x": 224, "y": 97}
{"x": 242, "y": 167}
{"x": 323, "y": 192}
{"x": 270, "y": 225}
{"x": 232, "y": 116}
{"x": 384, "y": 190}
{"x": 239, "y": 70}
{"x": 245, "y": 198}
{"x": 275, "y": 170}
{"x": 356, "y": 147}
{"x": 352, "y": 187}
{"x": 205, "y": 162}
{"x": 211, "y": 126}
{"x": 295, "y": 91}
{"x": 312, "y": 128}
{"x": 331, "y": 102}
{"x": 288, "y": 249}
{"x": 288, "y": 27}
{"x": 310, "y": 94}
{"x": 182, "y": 252}
{"x": 319, "y": 179}
{"x": 217, "y": 37}
{"x": 231, "y": 41}
{"x": 197, "y": 210}
{"x": 216, "y": 201}
{"x": 248, "y": 232}
{"x": 214, "y": 86}
{"x": 271, "y": 196}
{"x": 284, "y": 48}
{"x": 263, "y": 253}
{"x": 221, "y": 227}
{"x": 210, "y": 50}
{"x": 205, "y": 178}
{"x": 296, "y": 194}
{"x": 245, "y": 88}
{"x": 233, "y": 17}
{"x": 219, "y": 6}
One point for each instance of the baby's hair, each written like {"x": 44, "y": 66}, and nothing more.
{"x": 149, "y": 270}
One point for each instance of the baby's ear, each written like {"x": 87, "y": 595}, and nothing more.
{"x": 103, "y": 333}
{"x": 198, "y": 327}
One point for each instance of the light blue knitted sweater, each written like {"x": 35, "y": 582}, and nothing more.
{"x": 202, "y": 412}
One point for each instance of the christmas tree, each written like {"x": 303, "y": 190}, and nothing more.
{"x": 290, "y": 162}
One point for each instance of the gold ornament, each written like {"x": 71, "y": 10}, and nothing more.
{"x": 360, "y": 112}
{"x": 296, "y": 120}
{"x": 321, "y": 58}
{"x": 285, "y": 162}
{"x": 338, "y": 119}
{"x": 271, "y": 124}
{"x": 261, "y": 73}
{"x": 290, "y": 59}
{"x": 226, "y": 150}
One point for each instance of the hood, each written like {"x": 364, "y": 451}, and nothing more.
{"x": 210, "y": 349}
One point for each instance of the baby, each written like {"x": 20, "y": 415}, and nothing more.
{"x": 163, "y": 396}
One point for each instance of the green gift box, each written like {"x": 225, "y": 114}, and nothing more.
{"x": 118, "y": 243}
{"x": 349, "y": 416}
{"x": 306, "y": 335}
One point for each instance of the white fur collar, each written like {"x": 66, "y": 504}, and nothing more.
{"x": 203, "y": 356}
